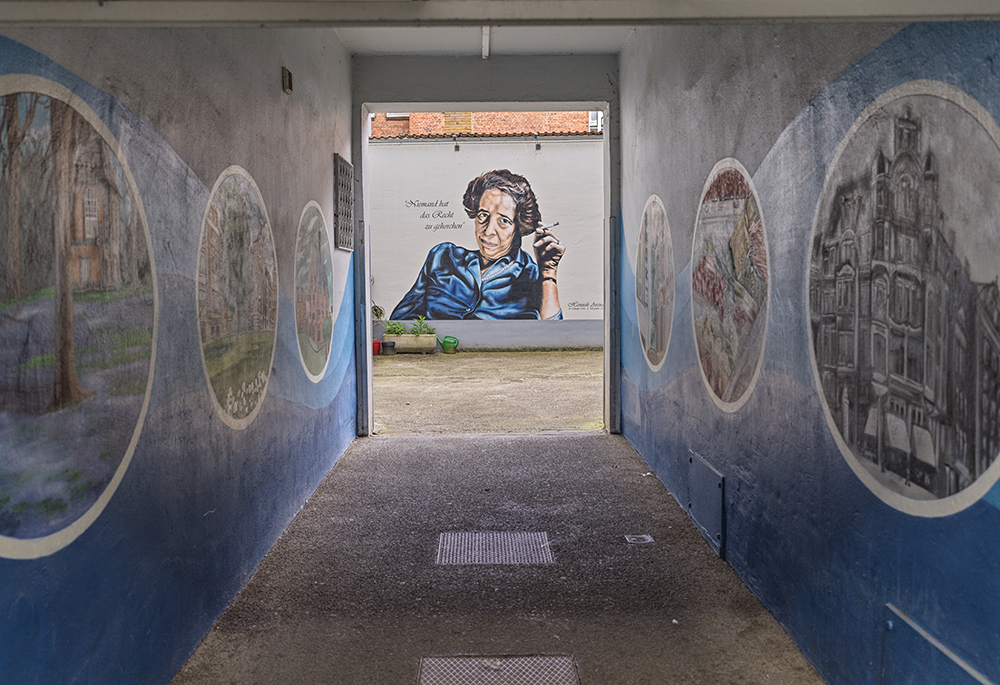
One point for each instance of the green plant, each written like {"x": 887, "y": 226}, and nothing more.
{"x": 395, "y": 328}
{"x": 420, "y": 327}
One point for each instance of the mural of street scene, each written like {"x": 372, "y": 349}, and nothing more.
{"x": 77, "y": 312}
{"x": 237, "y": 297}
{"x": 904, "y": 305}
{"x": 654, "y": 283}
{"x": 313, "y": 291}
{"x": 729, "y": 284}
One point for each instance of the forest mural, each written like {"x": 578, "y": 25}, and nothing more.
{"x": 313, "y": 291}
{"x": 77, "y": 315}
{"x": 729, "y": 284}
{"x": 237, "y": 297}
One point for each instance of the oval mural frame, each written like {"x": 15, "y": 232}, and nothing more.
{"x": 312, "y": 204}
{"x": 227, "y": 418}
{"x": 731, "y": 406}
{"x": 964, "y": 498}
{"x": 655, "y": 203}
{"x": 33, "y": 548}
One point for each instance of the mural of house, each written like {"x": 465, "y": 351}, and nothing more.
{"x": 312, "y": 302}
{"x": 904, "y": 337}
{"x": 96, "y": 230}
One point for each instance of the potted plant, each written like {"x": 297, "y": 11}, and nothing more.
{"x": 418, "y": 338}
{"x": 377, "y": 315}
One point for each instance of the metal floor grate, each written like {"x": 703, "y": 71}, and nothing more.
{"x": 498, "y": 670}
{"x": 493, "y": 547}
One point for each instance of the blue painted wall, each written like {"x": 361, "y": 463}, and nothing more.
{"x": 200, "y": 503}
{"x": 821, "y": 550}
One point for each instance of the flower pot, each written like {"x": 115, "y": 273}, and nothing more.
{"x": 388, "y": 347}
{"x": 412, "y": 344}
{"x": 376, "y": 344}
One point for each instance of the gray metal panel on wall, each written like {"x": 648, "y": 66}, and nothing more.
{"x": 706, "y": 502}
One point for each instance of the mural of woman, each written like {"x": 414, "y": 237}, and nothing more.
{"x": 499, "y": 280}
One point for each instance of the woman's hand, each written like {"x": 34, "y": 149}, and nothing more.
{"x": 548, "y": 252}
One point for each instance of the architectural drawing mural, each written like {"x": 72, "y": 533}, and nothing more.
{"x": 499, "y": 280}
{"x": 237, "y": 297}
{"x": 77, "y": 316}
{"x": 905, "y": 310}
{"x": 654, "y": 283}
{"x": 729, "y": 284}
{"x": 313, "y": 291}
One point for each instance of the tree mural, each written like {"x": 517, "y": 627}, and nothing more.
{"x": 77, "y": 312}
{"x": 237, "y": 297}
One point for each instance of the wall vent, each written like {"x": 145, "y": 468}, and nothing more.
{"x": 286, "y": 80}
{"x": 706, "y": 502}
{"x": 343, "y": 203}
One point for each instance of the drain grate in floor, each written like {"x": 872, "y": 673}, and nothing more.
{"x": 498, "y": 670}
{"x": 494, "y": 547}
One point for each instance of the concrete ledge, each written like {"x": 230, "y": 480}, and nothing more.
{"x": 522, "y": 334}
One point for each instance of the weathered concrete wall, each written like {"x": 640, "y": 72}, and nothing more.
{"x": 846, "y": 505}
{"x": 117, "y": 580}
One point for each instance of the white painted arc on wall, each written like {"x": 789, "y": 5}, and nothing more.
{"x": 237, "y": 424}
{"x": 17, "y": 548}
{"x": 731, "y": 163}
{"x": 974, "y": 492}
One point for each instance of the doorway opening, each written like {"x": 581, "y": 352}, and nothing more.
{"x": 520, "y": 293}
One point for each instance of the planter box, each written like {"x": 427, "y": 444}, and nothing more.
{"x": 412, "y": 344}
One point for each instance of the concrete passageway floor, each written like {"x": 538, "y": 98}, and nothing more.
{"x": 488, "y": 392}
{"x": 351, "y": 592}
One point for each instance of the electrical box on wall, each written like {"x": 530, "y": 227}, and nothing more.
{"x": 706, "y": 502}
{"x": 343, "y": 203}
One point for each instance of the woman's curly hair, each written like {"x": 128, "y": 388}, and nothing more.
{"x": 527, "y": 216}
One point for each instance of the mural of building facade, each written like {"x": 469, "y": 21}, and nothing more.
{"x": 237, "y": 297}
{"x": 905, "y": 315}
{"x": 77, "y": 316}
{"x": 313, "y": 291}
{"x": 654, "y": 283}
{"x": 729, "y": 284}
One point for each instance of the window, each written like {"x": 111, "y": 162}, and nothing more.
{"x": 879, "y": 305}
{"x": 906, "y": 198}
{"x": 846, "y": 348}
{"x": 596, "y": 121}
{"x": 90, "y": 214}
{"x": 878, "y": 354}
{"x": 915, "y": 360}
{"x": 845, "y": 296}
{"x": 897, "y": 360}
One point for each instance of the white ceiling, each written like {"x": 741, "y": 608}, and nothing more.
{"x": 468, "y": 40}
{"x": 454, "y": 27}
